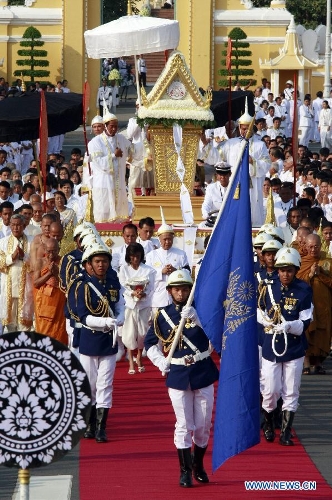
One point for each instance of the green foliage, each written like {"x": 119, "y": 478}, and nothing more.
{"x": 31, "y": 39}
{"x": 32, "y": 33}
{"x": 237, "y": 34}
{"x": 32, "y": 63}
{"x": 169, "y": 122}
{"x": 309, "y": 13}
{"x": 40, "y": 73}
{"x": 34, "y": 53}
{"x": 36, "y": 43}
{"x": 113, "y": 9}
{"x": 239, "y": 60}
{"x": 15, "y": 2}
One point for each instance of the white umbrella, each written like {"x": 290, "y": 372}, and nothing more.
{"x": 132, "y": 35}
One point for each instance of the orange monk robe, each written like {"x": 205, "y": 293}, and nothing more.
{"x": 319, "y": 331}
{"x": 49, "y": 311}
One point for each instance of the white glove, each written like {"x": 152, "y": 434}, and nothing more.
{"x": 189, "y": 312}
{"x": 120, "y": 311}
{"x": 111, "y": 323}
{"x": 263, "y": 318}
{"x": 158, "y": 359}
{"x": 295, "y": 327}
{"x": 96, "y": 323}
{"x": 280, "y": 328}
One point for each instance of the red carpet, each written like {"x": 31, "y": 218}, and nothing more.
{"x": 140, "y": 461}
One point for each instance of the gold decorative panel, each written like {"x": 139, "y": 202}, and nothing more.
{"x": 165, "y": 158}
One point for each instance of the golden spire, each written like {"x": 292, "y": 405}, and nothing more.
{"x": 89, "y": 209}
{"x": 270, "y": 217}
{"x": 129, "y": 9}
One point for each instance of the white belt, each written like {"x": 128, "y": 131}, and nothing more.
{"x": 190, "y": 359}
{"x": 78, "y": 325}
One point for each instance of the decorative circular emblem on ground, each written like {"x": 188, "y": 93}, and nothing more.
{"x": 44, "y": 400}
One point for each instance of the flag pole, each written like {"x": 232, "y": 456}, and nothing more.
{"x": 86, "y": 100}
{"x": 229, "y": 189}
{"x": 295, "y": 140}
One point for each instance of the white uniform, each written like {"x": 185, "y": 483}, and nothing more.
{"x": 16, "y": 305}
{"x": 103, "y": 93}
{"x": 119, "y": 254}
{"x": 214, "y": 195}
{"x": 137, "y": 312}
{"x": 136, "y": 135}
{"x": 158, "y": 259}
{"x": 109, "y": 192}
{"x": 317, "y": 105}
{"x": 325, "y": 125}
{"x": 257, "y": 171}
{"x": 305, "y": 124}
{"x": 281, "y": 210}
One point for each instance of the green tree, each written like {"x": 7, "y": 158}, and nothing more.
{"x": 113, "y": 9}
{"x": 309, "y": 13}
{"x": 239, "y": 62}
{"x": 31, "y": 39}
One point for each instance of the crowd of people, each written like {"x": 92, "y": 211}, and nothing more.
{"x": 132, "y": 299}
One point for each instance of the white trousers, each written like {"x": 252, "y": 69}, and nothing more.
{"x": 70, "y": 330}
{"x": 304, "y": 136}
{"x": 281, "y": 379}
{"x": 15, "y": 325}
{"x": 193, "y": 412}
{"x": 135, "y": 327}
{"x": 100, "y": 372}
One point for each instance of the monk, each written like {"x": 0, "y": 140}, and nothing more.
{"x": 318, "y": 273}
{"x": 300, "y": 242}
{"x": 38, "y": 243}
{"x": 49, "y": 299}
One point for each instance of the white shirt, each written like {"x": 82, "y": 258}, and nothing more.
{"x": 213, "y": 198}
{"x": 158, "y": 259}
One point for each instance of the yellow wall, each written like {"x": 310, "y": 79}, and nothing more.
{"x": 65, "y": 48}
{"x": 195, "y": 19}
{"x": 202, "y": 43}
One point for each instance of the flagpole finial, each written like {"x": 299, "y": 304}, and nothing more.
{"x": 270, "y": 217}
{"x": 251, "y": 128}
{"x": 129, "y": 9}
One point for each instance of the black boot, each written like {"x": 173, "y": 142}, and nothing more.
{"x": 185, "y": 467}
{"x": 101, "y": 425}
{"x": 198, "y": 468}
{"x": 90, "y": 431}
{"x": 268, "y": 426}
{"x": 286, "y": 428}
{"x": 278, "y": 414}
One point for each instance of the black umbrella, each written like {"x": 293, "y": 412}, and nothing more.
{"x": 219, "y": 105}
{"x": 19, "y": 116}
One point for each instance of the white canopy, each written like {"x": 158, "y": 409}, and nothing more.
{"x": 132, "y": 35}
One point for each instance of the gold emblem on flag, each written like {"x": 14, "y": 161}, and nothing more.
{"x": 238, "y": 307}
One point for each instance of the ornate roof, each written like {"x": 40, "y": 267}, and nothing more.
{"x": 176, "y": 95}
{"x": 290, "y": 56}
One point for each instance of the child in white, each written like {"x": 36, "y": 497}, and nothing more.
{"x": 137, "y": 281}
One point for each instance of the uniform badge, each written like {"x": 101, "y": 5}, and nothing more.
{"x": 290, "y": 304}
{"x": 113, "y": 295}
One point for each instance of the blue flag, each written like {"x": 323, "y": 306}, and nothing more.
{"x": 226, "y": 304}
